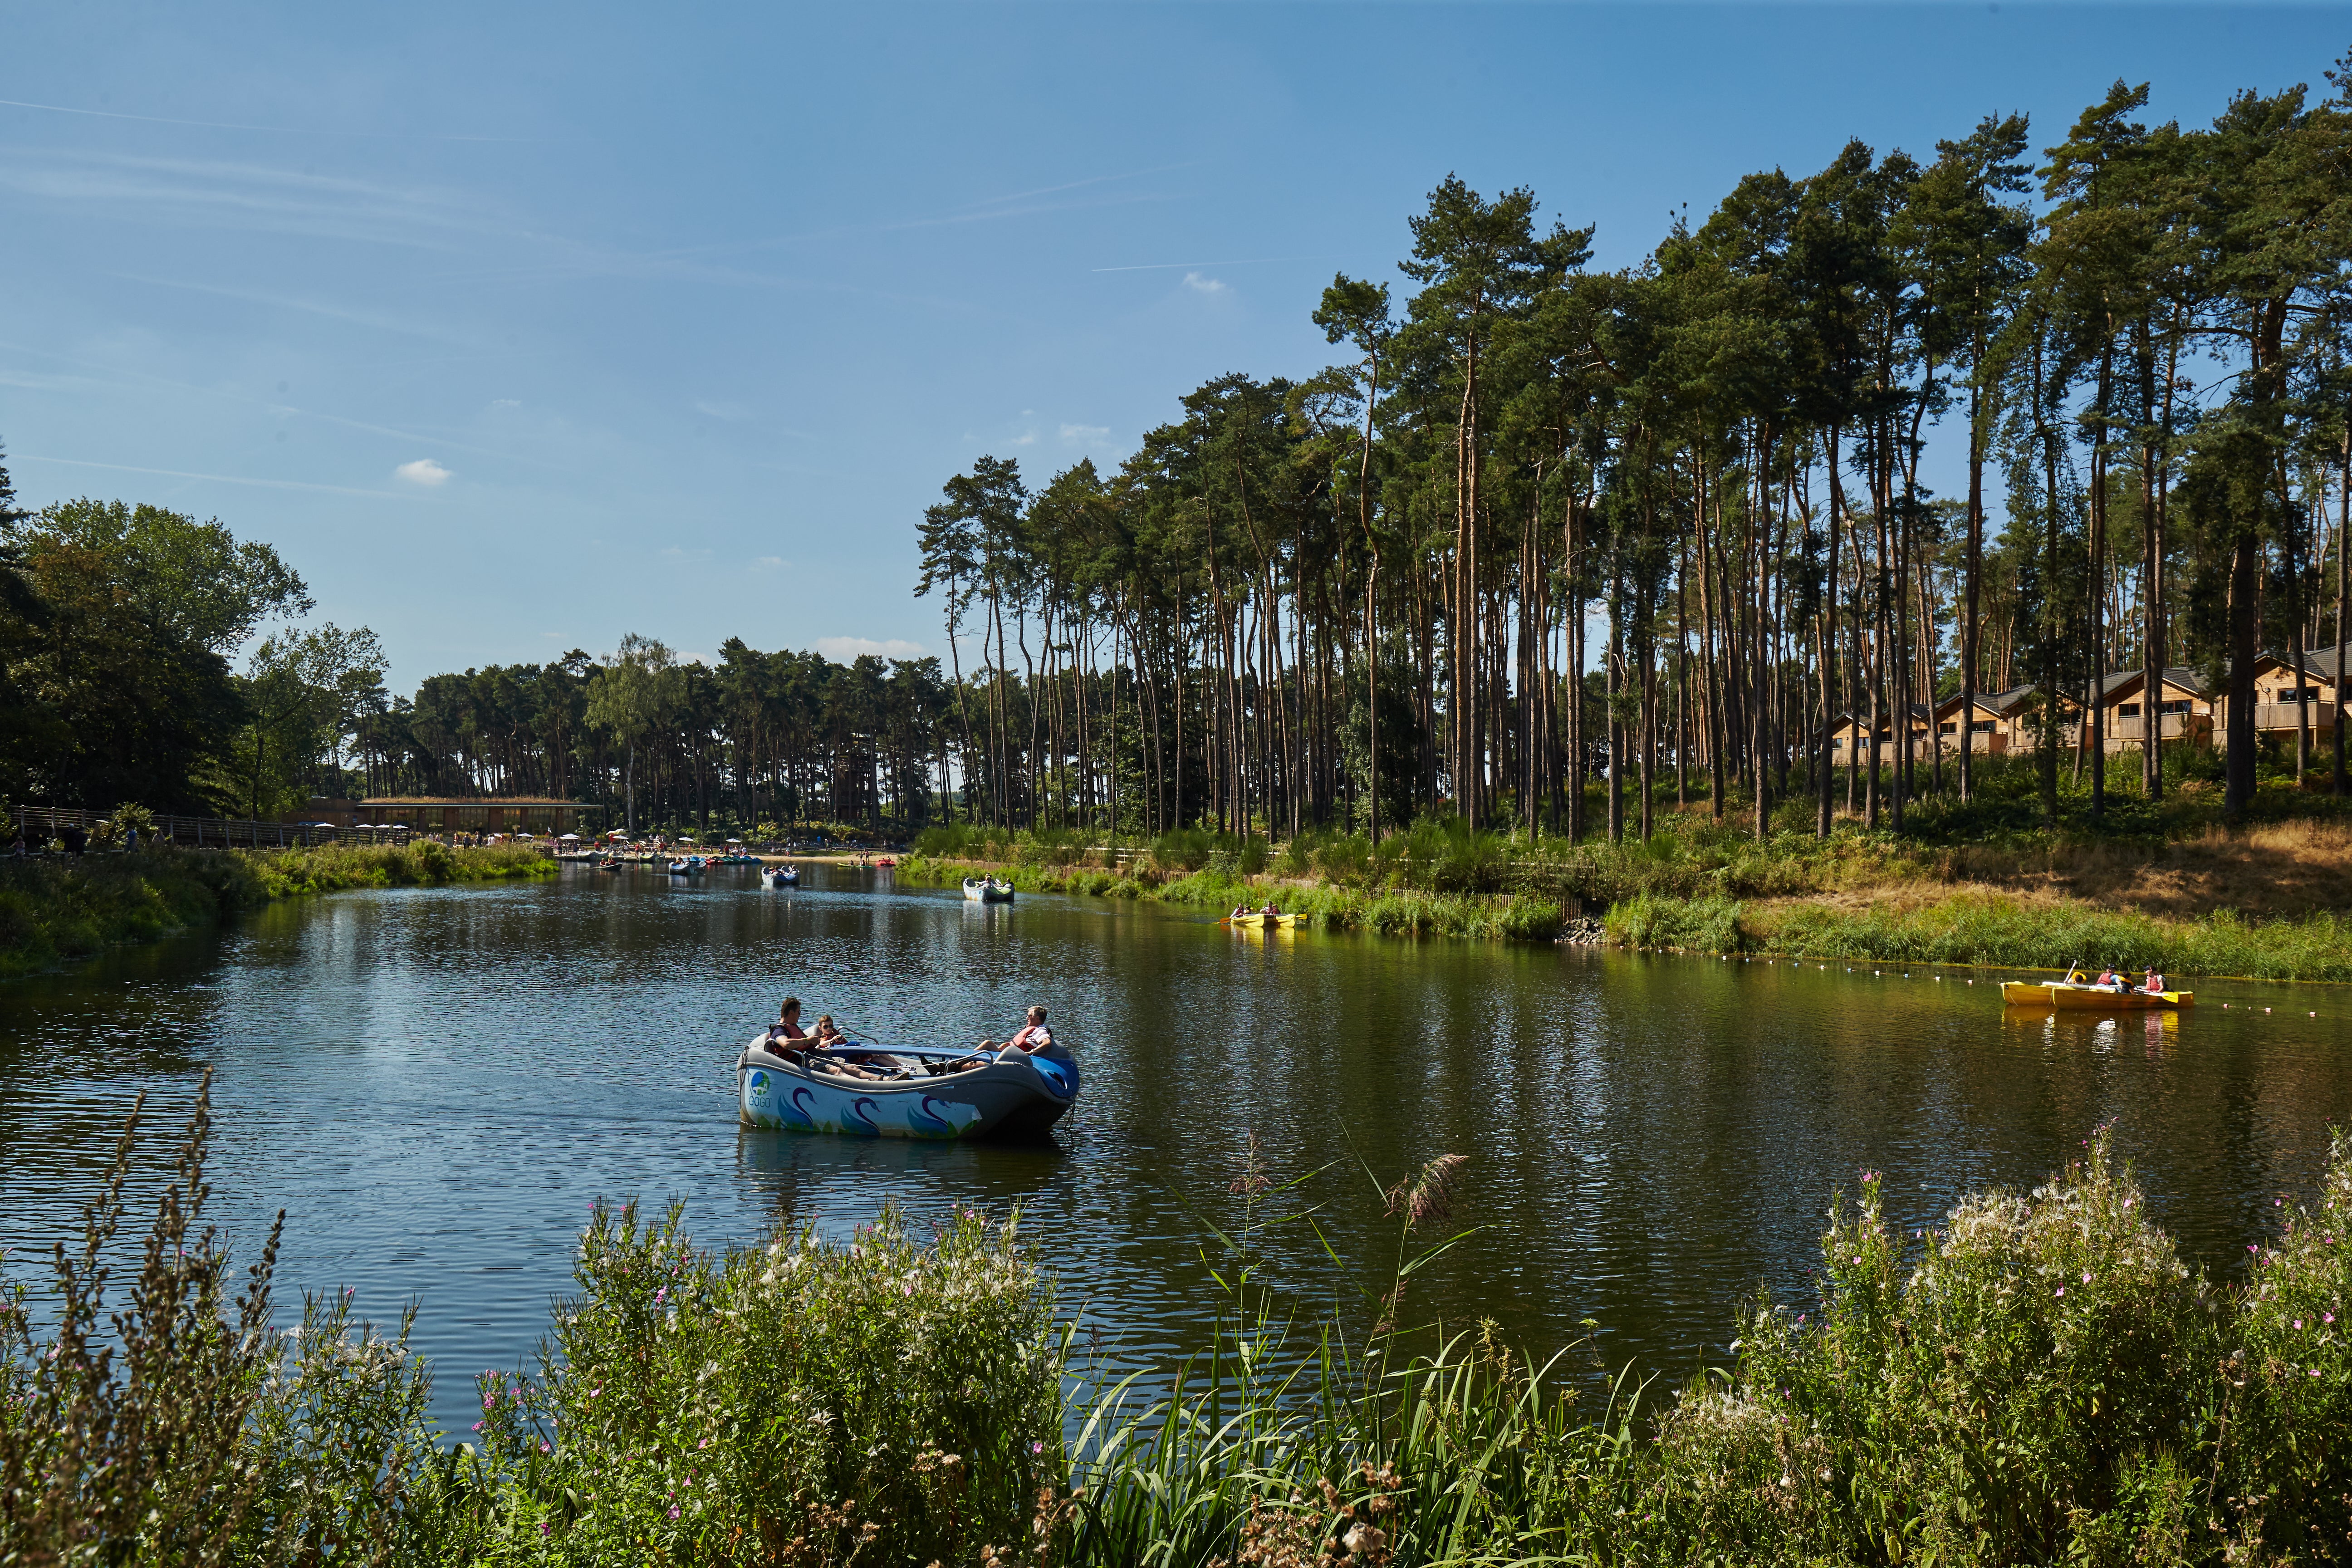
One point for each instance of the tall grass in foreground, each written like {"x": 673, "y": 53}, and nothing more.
{"x": 2041, "y": 1379}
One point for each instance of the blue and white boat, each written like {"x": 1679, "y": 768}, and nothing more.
{"x": 782, "y": 876}
{"x": 1016, "y": 1095}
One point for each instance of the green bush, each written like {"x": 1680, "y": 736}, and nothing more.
{"x": 884, "y": 1397}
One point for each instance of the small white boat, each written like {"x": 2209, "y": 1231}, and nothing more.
{"x": 1017, "y": 1095}
{"x": 782, "y": 876}
{"x": 987, "y": 890}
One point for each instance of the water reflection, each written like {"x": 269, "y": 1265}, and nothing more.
{"x": 436, "y": 1084}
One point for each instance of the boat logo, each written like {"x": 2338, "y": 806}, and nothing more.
{"x": 760, "y": 1085}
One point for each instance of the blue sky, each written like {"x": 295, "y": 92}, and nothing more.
{"x": 517, "y": 328}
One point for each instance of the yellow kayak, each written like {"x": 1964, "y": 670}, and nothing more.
{"x": 1256, "y": 922}
{"x": 2023, "y": 994}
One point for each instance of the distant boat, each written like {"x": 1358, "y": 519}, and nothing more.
{"x": 782, "y": 876}
{"x": 690, "y": 867}
{"x": 987, "y": 890}
{"x": 1257, "y": 920}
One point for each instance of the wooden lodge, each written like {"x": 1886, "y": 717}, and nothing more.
{"x": 2184, "y": 710}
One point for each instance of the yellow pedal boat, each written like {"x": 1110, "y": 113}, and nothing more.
{"x": 1257, "y": 922}
{"x": 2099, "y": 998}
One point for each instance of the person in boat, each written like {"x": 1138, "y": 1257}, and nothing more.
{"x": 828, "y": 1049}
{"x": 1270, "y": 910}
{"x": 2156, "y": 985}
{"x": 786, "y": 1030}
{"x": 1031, "y": 1036}
{"x": 2109, "y": 980}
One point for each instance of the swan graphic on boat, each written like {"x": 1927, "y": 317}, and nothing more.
{"x": 1016, "y": 1095}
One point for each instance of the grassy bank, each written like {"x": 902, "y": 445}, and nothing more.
{"x": 2040, "y": 1379}
{"x": 62, "y": 910}
{"x": 1984, "y": 927}
{"x": 2264, "y": 900}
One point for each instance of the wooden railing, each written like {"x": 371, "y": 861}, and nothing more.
{"x": 209, "y": 832}
{"x": 2286, "y": 715}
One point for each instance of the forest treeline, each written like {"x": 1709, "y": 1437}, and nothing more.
{"x": 1539, "y": 516}
{"x": 148, "y": 656}
{"x": 1371, "y": 594}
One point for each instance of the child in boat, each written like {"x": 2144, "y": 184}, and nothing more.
{"x": 2154, "y": 987}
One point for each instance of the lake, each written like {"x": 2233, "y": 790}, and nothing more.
{"x": 435, "y": 1084}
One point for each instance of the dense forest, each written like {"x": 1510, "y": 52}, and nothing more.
{"x": 1539, "y": 516}
{"x": 1695, "y": 484}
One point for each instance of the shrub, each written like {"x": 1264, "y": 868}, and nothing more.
{"x": 201, "y": 1436}
{"x": 884, "y": 1398}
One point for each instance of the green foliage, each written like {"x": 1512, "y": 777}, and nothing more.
{"x": 193, "y": 1433}
{"x": 1981, "y": 929}
{"x": 61, "y": 911}
{"x": 420, "y": 863}
{"x": 2038, "y": 1379}
{"x": 883, "y": 1395}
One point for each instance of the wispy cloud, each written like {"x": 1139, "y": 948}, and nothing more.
{"x": 1085, "y": 435}
{"x": 846, "y": 648}
{"x": 424, "y": 472}
{"x": 222, "y": 192}
{"x": 307, "y": 306}
{"x": 1183, "y": 266}
{"x": 266, "y": 129}
{"x": 733, "y": 413}
{"x": 769, "y": 562}
{"x": 215, "y": 478}
{"x": 1201, "y": 284}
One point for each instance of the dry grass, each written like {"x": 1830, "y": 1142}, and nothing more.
{"x": 2278, "y": 870}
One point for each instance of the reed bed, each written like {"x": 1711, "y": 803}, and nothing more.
{"x": 2039, "y": 1379}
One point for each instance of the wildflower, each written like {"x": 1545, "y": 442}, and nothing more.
{"x": 1036, "y": 1447}
{"x": 2086, "y": 1276}
{"x": 673, "y": 1510}
{"x": 2061, "y": 1290}
{"x": 2327, "y": 1316}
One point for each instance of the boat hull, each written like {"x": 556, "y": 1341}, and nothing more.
{"x": 2091, "y": 998}
{"x": 987, "y": 892}
{"x": 1262, "y": 922}
{"x": 1017, "y": 1098}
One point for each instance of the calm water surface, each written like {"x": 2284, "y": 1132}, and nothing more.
{"x": 435, "y": 1084}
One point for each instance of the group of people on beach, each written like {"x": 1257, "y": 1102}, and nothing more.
{"x": 829, "y": 1049}
{"x": 2119, "y": 981}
